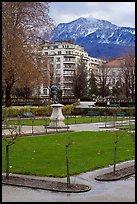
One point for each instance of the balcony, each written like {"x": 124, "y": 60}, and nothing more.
{"x": 71, "y": 68}
{"x": 67, "y": 74}
{"x": 68, "y": 87}
{"x": 69, "y": 60}
{"x": 72, "y": 55}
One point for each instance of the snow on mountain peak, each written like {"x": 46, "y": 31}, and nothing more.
{"x": 89, "y": 31}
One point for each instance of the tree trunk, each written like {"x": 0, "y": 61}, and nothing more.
{"x": 7, "y": 161}
{"x": 132, "y": 93}
{"x": 8, "y": 96}
{"x": 67, "y": 163}
{"x": 114, "y": 170}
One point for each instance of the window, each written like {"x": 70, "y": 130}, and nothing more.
{"x": 51, "y": 59}
{"x": 68, "y": 59}
{"x": 113, "y": 81}
{"x": 69, "y": 52}
{"x": 55, "y": 46}
{"x": 57, "y": 72}
{"x": 45, "y": 91}
{"x": 68, "y": 66}
{"x": 65, "y": 46}
{"x": 59, "y": 52}
{"x": 58, "y": 66}
{"x": 58, "y": 59}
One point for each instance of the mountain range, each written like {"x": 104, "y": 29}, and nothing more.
{"x": 100, "y": 38}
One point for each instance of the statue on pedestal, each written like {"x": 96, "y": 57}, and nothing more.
{"x": 56, "y": 117}
{"x": 53, "y": 93}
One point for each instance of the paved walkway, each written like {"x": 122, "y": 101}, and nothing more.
{"x": 74, "y": 127}
{"x": 122, "y": 190}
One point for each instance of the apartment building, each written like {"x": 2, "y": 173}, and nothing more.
{"x": 63, "y": 59}
{"x": 122, "y": 71}
{"x": 114, "y": 67}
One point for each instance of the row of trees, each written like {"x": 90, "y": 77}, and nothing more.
{"x": 101, "y": 85}
{"x": 22, "y": 65}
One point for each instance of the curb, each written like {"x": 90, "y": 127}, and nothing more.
{"x": 45, "y": 185}
{"x": 110, "y": 176}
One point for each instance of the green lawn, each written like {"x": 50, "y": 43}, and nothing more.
{"x": 127, "y": 127}
{"x": 121, "y": 127}
{"x": 46, "y": 155}
{"x": 69, "y": 120}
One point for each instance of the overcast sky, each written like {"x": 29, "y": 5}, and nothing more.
{"x": 118, "y": 13}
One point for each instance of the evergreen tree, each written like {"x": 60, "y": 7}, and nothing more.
{"x": 93, "y": 89}
{"x": 79, "y": 80}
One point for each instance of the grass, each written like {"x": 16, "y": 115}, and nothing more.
{"x": 69, "y": 120}
{"x": 121, "y": 127}
{"x": 46, "y": 155}
{"x": 127, "y": 127}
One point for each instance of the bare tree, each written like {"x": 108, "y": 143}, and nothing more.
{"x": 103, "y": 80}
{"x": 52, "y": 71}
{"x": 115, "y": 152}
{"x": 128, "y": 73}
{"x": 21, "y": 22}
{"x": 67, "y": 163}
{"x": 117, "y": 88}
{"x": 10, "y": 141}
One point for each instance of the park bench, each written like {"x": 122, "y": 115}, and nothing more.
{"x": 27, "y": 114}
{"x": 28, "y": 104}
{"x": 93, "y": 113}
{"x": 131, "y": 106}
{"x": 8, "y": 126}
{"x": 5, "y": 126}
{"x": 119, "y": 113}
{"x": 114, "y": 105}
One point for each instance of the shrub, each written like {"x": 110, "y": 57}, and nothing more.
{"x": 10, "y": 112}
{"x": 42, "y": 111}
{"x": 68, "y": 109}
{"x": 104, "y": 111}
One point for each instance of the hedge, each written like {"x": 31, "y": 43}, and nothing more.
{"x": 66, "y": 110}
{"x": 37, "y": 111}
{"x": 105, "y": 111}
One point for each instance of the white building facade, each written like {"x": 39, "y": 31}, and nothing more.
{"x": 63, "y": 59}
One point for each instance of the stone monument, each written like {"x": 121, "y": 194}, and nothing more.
{"x": 56, "y": 116}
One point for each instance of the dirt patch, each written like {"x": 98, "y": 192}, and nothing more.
{"x": 119, "y": 173}
{"x": 62, "y": 186}
{"x": 46, "y": 185}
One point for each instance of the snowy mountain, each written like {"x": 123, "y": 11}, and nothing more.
{"x": 94, "y": 34}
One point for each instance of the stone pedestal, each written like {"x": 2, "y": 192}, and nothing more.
{"x": 57, "y": 117}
